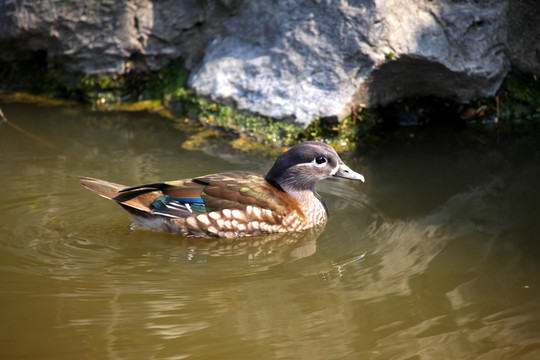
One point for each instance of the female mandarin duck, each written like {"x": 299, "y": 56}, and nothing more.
{"x": 235, "y": 204}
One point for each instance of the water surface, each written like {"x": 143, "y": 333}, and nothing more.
{"x": 436, "y": 256}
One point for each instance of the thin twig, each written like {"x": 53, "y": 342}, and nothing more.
{"x": 18, "y": 128}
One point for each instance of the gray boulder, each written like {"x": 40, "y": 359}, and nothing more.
{"x": 109, "y": 36}
{"x": 309, "y": 59}
{"x": 524, "y": 35}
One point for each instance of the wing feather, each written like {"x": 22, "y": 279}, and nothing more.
{"x": 183, "y": 198}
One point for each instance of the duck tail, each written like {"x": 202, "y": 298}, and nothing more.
{"x": 135, "y": 201}
{"x": 103, "y": 188}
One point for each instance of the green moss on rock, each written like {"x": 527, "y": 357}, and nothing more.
{"x": 166, "y": 93}
{"x": 518, "y": 100}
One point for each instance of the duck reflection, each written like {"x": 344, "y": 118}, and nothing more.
{"x": 263, "y": 250}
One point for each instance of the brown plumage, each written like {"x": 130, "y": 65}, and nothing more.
{"x": 235, "y": 204}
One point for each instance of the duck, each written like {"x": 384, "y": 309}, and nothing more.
{"x": 235, "y": 204}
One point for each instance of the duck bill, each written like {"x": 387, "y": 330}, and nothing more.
{"x": 345, "y": 172}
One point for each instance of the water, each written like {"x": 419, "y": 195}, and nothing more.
{"x": 434, "y": 257}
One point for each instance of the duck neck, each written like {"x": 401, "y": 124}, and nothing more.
{"x": 299, "y": 187}
{"x": 303, "y": 196}
{"x": 308, "y": 198}
{"x": 312, "y": 205}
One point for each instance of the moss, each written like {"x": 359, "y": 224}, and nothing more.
{"x": 257, "y": 128}
{"x": 165, "y": 92}
{"x": 523, "y": 88}
{"x": 100, "y": 83}
{"x": 518, "y": 101}
{"x": 197, "y": 140}
{"x": 343, "y": 135}
{"x": 28, "y": 98}
{"x": 154, "y": 106}
{"x": 132, "y": 86}
{"x": 255, "y": 148}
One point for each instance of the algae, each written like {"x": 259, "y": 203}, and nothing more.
{"x": 518, "y": 100}
{"x": 29, "y": 98}
{"x": 166, "y": 93}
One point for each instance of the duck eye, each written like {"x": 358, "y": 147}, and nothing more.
{"x": 320, "y": 160}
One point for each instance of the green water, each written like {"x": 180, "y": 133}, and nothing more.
{"x": 436, "y": 256}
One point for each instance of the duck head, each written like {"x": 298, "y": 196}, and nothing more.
{"x": 299, "y": 169}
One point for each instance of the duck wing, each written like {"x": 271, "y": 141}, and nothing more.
{"x": 148, "y": 198}
{"x": 183, "y": 198}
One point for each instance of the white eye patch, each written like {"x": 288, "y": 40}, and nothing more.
{"x": 319, "y": 161}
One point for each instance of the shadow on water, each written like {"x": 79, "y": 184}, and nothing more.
{"x": 435, "y": 254}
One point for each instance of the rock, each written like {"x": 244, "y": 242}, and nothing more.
{"x": 109, "y": 36}
{"x": 524, "y": 35}
{"x": 295, "y": 60}
{"x": 313, "y": 59}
